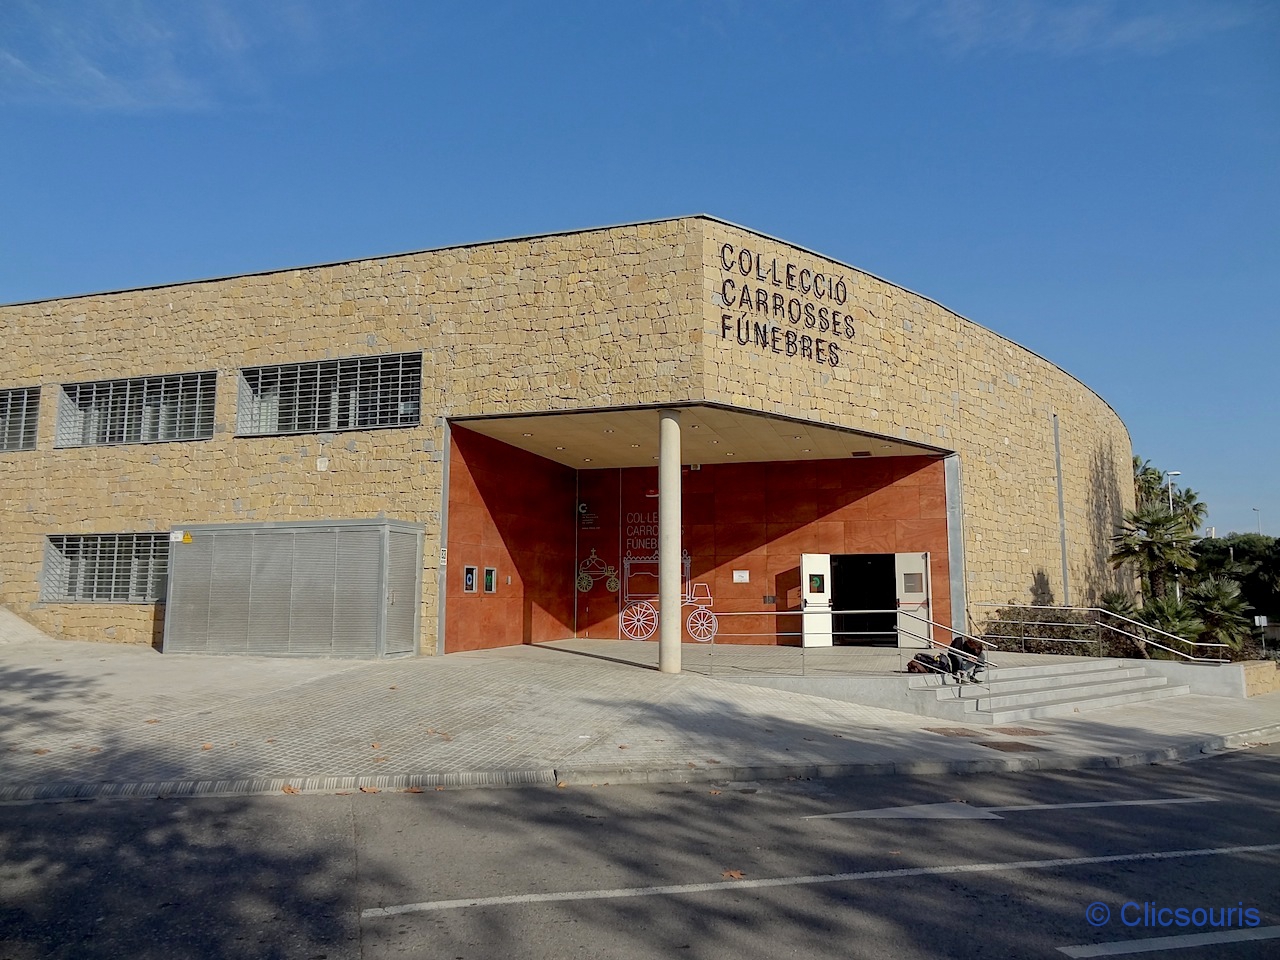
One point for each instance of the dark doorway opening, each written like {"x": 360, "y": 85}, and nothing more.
{"x": 864, "y": 581}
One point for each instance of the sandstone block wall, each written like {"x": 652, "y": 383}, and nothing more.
{"x": 913, "y": 370}
{"x": 632, "y": 315}
{"x": 561, "y": 322}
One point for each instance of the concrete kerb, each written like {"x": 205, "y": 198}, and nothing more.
{"x": 919, "y": 768}
{"x": 621, "y": 775}
{"x": 170, "y": 789}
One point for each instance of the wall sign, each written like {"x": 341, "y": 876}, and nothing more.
{"x": 781, "y": 307}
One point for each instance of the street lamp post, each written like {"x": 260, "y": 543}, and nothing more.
{"x": 1259, "y": 518}
{"x": 1177, "y": 577}
{"x": 1171, "y": 474}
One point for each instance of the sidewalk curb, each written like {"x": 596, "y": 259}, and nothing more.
{"x": 578, "y": 776}
{"x": 174, "y": 789}
{"x": 920, "y": 768}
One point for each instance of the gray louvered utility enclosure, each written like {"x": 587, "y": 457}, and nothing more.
{"x": 338, "y": 588}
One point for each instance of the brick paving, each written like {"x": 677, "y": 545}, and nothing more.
{"x": 88, "y": 719}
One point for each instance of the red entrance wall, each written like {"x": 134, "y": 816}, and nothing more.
{"x": 758, "y": 517}
{"x": 514, "y": 511}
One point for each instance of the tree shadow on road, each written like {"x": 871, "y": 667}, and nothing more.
{"x": 619, "y": 837}
{"x": 34, "y": 697}
{"x": 209, "y": 878}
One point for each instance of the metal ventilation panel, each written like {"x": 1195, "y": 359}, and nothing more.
{"x": 325, "y": 589}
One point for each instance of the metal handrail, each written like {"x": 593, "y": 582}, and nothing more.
{"x": 963, "y": 655}
{"x": 1099, "y": 610}
{"x": 858, "y": 633}
{"x": 793, "y": 613}
{"x": 1002, "y": 636}
{"x": 1163, "y": 633}
{"x": 1161, "y": 646}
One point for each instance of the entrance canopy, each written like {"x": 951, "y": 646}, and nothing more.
{"x": 710, "y": 434}
{"x": 590, "y": 520}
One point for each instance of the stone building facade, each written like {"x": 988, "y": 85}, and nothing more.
{"x": 824, "y": 410}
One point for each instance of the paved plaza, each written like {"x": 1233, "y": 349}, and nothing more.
{"x": 82, "y": 719}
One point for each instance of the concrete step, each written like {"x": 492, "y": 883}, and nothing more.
{"x": 1001, "y": 674}
{"x": 1005, "y": 695}
{"x": 998, "y": 687}
{"x": 1089, "y": 665}
{"x": 1027, "y": 698}
{"x": 1071, "y": 706}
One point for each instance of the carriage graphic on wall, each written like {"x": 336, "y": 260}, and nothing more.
{"x": 594, "y": 569}
{"x": 639, "y": 620}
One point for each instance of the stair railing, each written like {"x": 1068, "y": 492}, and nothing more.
{"x": 1190, "y": 658}
{"x": 1139, "y": 632}
{"x": 979, "y": 663}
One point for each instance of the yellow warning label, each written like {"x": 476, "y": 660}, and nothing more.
{"x": 186, "y": 538}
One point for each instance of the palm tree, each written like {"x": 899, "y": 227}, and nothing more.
{"x": 1217, "y": 603}
{"x": 1122, "y": 605}
{"x": 1148, "y": 483}
{"x": 1175, "y": 617}
{"x": 1119, "y": 603}
{"x": 1188, "y": 505}
{"x": 1157, "y": 542}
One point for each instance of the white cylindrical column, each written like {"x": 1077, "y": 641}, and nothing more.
{"x": 669, "y": 567}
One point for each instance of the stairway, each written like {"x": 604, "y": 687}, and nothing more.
{"x": 1011, "y": 694}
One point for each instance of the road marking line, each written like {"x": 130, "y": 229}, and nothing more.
{"x": 726, "y": 885}
{"x": 954, "y": 810}
{"x": 1106, "y": 803}
{"x": 1118, "y": 948}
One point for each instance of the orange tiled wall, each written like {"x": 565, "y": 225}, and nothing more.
{"x": 760, "y": 517}
{"x": 514, "y": 511}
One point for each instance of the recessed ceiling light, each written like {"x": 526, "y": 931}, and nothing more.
{"x": 806, "y": 450}
{"x": 610, "y": 430}
{"x": 655, "y": 458}
{"x": 559, "y": 448}
{"x": 694, "y": 426}
{"x": 586, "y": 459}
{"x": 728, "y": 454}
{"x": 526, "y": 434}
{"x": 715, "y": 441}
{"x": 797, "y": 437}
{"x": 635, "y": 446}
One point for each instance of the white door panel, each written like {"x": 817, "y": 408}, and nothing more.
{"x": 815, "y": 598}
{"x": 911, "y": 571}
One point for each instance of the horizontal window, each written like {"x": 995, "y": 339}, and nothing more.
{"x": 106, "y": 567}
{"x": 142, "y": 410}
{"x": 331, "y": 395}
{"x": 19, "y": 411}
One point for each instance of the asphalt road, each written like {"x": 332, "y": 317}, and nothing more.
{"x": 705, "y": 871}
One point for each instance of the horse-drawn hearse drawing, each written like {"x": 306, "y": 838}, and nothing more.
{"x": 639, "y": 614}
{"x": 593, "y": 569}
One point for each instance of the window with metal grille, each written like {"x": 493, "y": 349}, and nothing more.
{"x": 106, "y": 567}
{"x": 141, "y": 410}
{"x": 330, "y": 395}
{"x": 19, "y": 411}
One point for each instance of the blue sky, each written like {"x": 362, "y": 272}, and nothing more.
{"x": 1098, "y": 180}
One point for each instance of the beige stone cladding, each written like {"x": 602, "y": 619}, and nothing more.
{"x": 587, "y": 319}
{"x": 631, "y": 315}
{"x": 1261, "y": 677}
{"x": 908, "y": 369}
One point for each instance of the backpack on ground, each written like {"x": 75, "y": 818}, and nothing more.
{"x": 928, "y": 663}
